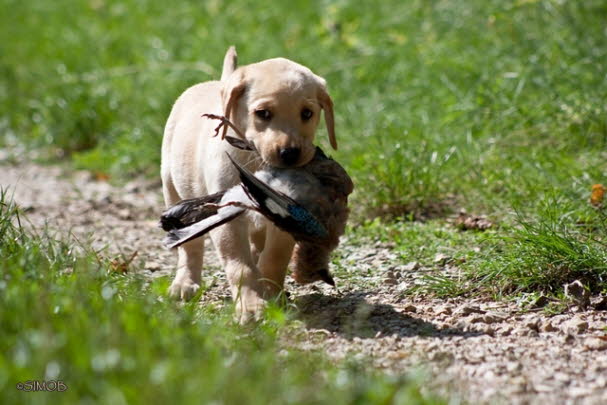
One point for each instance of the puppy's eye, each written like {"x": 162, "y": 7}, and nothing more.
{"x": 306, "y": 114}
{"x": 265, "y": 115}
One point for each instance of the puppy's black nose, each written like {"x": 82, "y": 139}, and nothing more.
{"x": 290, "y": 156}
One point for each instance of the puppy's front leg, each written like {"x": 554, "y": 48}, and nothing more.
{"x": 232, "y": 244}
{"x": 274, "y": 259}
{"x": 189, "y": 266}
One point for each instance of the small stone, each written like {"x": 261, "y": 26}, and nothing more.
{"x": 461, "y": 324}
{"x": 595, "y": 343}
{"x": 397, "y": 355}
{"x": 477, "y": 319}
{"x": 103, "y": 200}
{"x": 467, "y": 310}
{"x": 547, "y": 326}
{"x": 391, "y": 277}
{"x": 486, "y": 329}
{"x": 411, "y": 266}
{"x": 494, "y": 317}
{"x": 597, "y": 325}
{"x": 444, "y": 310}
{"x": 577, "y": 293}
{"x": 151, "y": 266}
{"x": 540, "y": 302}
{"x": 562, "y": 377}
{"x": 513, "y": 366}
{"x": 27, "y": 208}
{"x": 577, "y": 392}
{"x": 474, "y": 358}
{"x": 575, "y": 326}
{"x": 576, "y": 309}
{"x": 439, "y": 356}
{"x": 403, "y": 286}
{"x": 525, "y": 331}
{"x": 518, "y": 384}
{"x": 472, "y": 222}
{"x": 543, "y": 387}
{"x": 599, "y": 303}
{"x": 601, "y": 381}
{"x": 532, "y": 323}
{"x": 125, "y": 214}
{"x": 441, "y": 259}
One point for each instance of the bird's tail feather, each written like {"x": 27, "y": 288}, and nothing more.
{"x": 177, "y": 237}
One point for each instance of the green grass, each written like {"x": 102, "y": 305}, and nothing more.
{"x": 114, "y": 338}
{"x": 487, "y": 101}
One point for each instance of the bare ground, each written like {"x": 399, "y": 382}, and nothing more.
{"x": 479, "y": 350}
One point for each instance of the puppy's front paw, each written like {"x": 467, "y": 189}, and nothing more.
{"x": 249, "y": 306}
{"x": 183, "y": 289}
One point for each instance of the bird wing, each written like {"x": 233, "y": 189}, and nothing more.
{"x": 281, "y": 209}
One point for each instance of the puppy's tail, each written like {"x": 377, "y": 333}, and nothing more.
{"x": 229, "y": 63}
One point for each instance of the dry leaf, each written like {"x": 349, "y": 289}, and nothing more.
{"x": 101, "y": 176}
{"x": 472, "y": 222}
{"x": 598, "y": 194}
{"x": 120, "y": 265}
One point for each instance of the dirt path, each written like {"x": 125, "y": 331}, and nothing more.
{"x": 490, "y": 352}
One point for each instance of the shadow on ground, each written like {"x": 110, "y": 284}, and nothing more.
{"x": 351, "y": 315}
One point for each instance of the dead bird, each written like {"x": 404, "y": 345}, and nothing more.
{"x": 309, "y": 202}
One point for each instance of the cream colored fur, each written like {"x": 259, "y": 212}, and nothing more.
{"x": 254, "y": 253}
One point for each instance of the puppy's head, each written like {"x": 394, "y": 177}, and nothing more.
{"x": 277, "y": 104}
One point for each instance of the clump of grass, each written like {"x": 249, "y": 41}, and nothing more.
{"x": 544, "y": 253}
{"x": 407, "y": 175}
{"x": 114, "y": 338}
{"x": 537, "y": 254}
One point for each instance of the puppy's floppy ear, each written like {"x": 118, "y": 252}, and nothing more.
{"x": 231, "y": 92}
{"x": 327, "y": 105}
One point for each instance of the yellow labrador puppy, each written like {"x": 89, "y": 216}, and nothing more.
{"x": 276, "y": 104}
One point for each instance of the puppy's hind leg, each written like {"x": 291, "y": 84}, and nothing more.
{"x": 232, "y": 243}
{"x": 257, "y": 235}
{"x": 274, "y": 259}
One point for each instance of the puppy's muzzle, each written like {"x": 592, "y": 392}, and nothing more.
{"x": 289, "y": 156}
